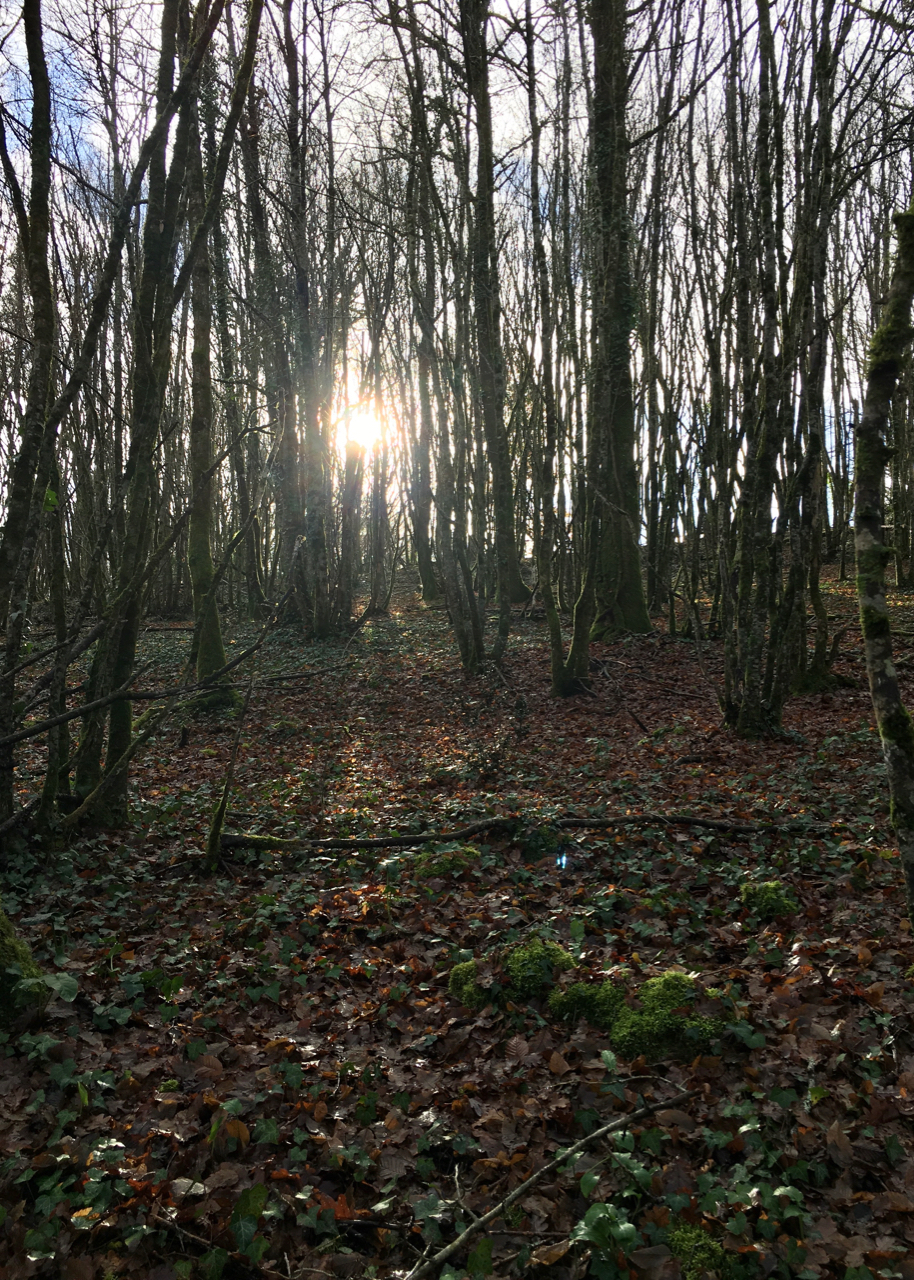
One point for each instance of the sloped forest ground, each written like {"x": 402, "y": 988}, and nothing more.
{"x": 264, "y": 1074}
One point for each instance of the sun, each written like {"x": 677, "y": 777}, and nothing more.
{"x": 360, "y": 426}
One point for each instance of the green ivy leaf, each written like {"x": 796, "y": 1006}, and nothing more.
{"x": 479, "y": 1263}
{"x": 265, "y": 1130}
{"x": 251, "y": 1202}
{"x": 64, "y": 985}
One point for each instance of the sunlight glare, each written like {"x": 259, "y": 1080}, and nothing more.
{"x": 359, "y": 426}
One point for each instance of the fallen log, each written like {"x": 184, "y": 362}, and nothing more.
{"x": 250, "y": 840}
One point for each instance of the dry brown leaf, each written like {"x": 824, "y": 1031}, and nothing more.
{"x": 181, "y": 1188}
{"x": 79, "y": 1269}
{"x": 652, "y": 1260}
{"x": 856, "y": 1247}
{"x": 208, "y": 1067}
{"x": 681, "y": 1119}
{"x": 547, "y": 1254}
{"x": 236, "y": 1128}
{"x": 557, "y": 1064}
{"x": 320, "y": 1109}
{"x": 893, "y": 1202}
{"x": 873, "y": 995}
{"x": 516, "y": 1048}
{"x": 225, "y": 1176}
{"x": 839, "y": 1145}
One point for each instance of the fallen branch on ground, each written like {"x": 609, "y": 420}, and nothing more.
{"x": 432, "y": 1264}
{"x": 248, "y": 840}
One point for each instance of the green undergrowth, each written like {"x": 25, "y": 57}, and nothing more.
{"x": 666, "y": 1024}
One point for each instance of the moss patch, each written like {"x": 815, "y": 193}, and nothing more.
{"x": 699, "y": 1253}
{"x": 665, "y": 1026}
{"x": 659, "y": 1029}
{"x": 445, "y": 861}
{"x": 767, "y": 900}
{"x": 530, "y": 970}
{"x": 16, "y": 962}
{"x": 463, "y": 986}
{"x": 599, "y": 1004}
{"x": 531, "y": 967}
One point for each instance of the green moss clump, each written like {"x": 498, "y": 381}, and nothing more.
{"x": 446, "y": 861}
{"x": 531, "y": 967}
{"x": 656, "y": 1030}
{"x": 699, "y": 1253}
{"x": 600, "y": 1005}
{"x": 767, "y": 900}
{"x": 16, "y": 963}
{"x": 463, "y": 986}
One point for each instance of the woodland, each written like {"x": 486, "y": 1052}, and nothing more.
{"x": 456, "y": 556}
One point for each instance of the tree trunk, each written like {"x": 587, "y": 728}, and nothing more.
{"x": 208, "y": 645}
{"x": 620, "y": 603}
{"x": 896, "y": 729}
{"x": 486, "y": 297}
{"x": 20, "y": 525}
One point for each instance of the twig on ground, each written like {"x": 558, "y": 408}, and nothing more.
{"x": 438, "y": 1259}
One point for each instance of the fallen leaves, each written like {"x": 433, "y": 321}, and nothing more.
{"x": 287, "y": 1025}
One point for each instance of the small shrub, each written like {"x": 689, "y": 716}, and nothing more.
{"x": 600, "y": 1005}
{"x": 657, "y": 1030}
{"x": 767, "y": 900}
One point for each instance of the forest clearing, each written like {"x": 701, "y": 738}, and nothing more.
{"x": 264, "y": 1071}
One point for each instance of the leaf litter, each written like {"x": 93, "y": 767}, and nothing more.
{"x": 263, "y": 1071}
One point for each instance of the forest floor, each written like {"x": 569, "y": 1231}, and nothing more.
{"x": 263, "y": 1072}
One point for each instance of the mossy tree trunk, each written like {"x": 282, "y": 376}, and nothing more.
{"x": 896, "y": 730}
